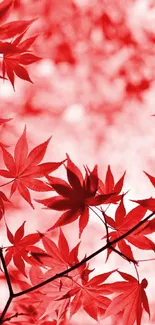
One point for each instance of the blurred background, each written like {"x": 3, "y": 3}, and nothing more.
{"x": 93, "y": 92}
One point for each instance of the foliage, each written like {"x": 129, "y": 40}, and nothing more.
{"x": 47, "y": 281}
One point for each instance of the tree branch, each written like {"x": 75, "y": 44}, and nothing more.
{"x": 6, "y": 272}
{"x": 86, "y": 259}
{"x": 5, "y": 309}
{"x": 11, "y": 294}
{"x": 61, "y": 274}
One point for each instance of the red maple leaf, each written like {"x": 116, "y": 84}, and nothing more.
{"x": 85, "y": 292}
{"x": 132, "y": 300}
{"x": 109, "y": 186}
{"x": 122, "y": 223}
{"x": 59, "y": 257}
{"x": 23, "y": 249}
{"x": 45, "y": 297}
{"x": 75, "y": 197}
{"x": 15, "y": 53}
{"x": 24, "y": 168}
{"x": 90, "y": 296}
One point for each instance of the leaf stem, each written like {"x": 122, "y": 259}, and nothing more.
{"x": 7, "y": 183}
{"x": 137, "y": 272}
{"x": 147, "y": 260}
{"x": 13, "y": 316}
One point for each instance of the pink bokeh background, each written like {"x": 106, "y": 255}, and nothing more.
{"x": 93, "y": 92}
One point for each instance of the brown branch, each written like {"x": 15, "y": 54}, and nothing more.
{"x": 86, "y": 259}
{"x": 5, "y": 309}
{"x": 11, "y": 294}
{"x": 61, "y": 274}
{"x": 6, "y": 272}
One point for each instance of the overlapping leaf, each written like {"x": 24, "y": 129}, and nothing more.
{"x": 23, "y": 249}
{"x": 90, "y": 296}
{"x": 15, "y": 53}
{"x": 44, "y": 298}
{"x": 61, "y": 257}
{"x": 122, "y": 223}
{"x": 131, "y": 302}
{"x": 58, "y": 258}
{"x": 75, "y": 197}
{"x": 15, "y": 56}
{"x": 24, "y": 168}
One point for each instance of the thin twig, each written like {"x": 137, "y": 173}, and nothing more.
{"x": 137, "y": 273}
{"x": 7, "y": 183}
{"x": 13, "y": 316}
{"x": 97, "y": 214}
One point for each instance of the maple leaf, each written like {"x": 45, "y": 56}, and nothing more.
{"x": 75, "y": 197}
{"x": 122, "y": 223}
{"x": 109, "y": 186}
{"x": 24, "y": 168}
{"x": 90, "y": 296}
{"x": 23, "y": 249}
{"x": 132, "y": 300}
{"x": 15, "y": 53}
{"x": 44, "y": 297}
{"x": 14, "y": 57}
{"x": 61, "y": 257}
